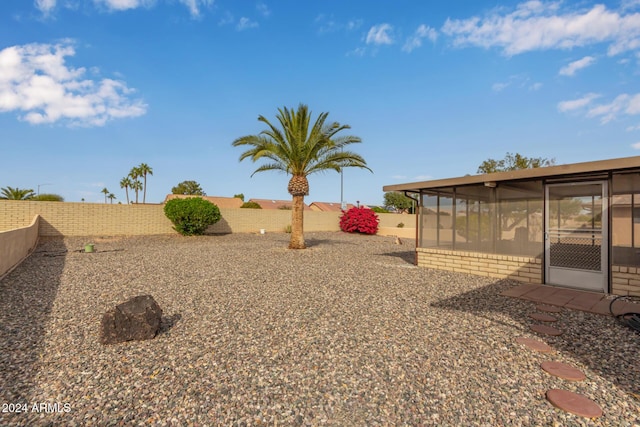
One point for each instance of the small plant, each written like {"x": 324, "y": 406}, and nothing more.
{"x": 378, "y": 209}
{"x": 191, "y": 216}
{"x": 287, "y": 229}
{"x": 284, "y": 208}
{"x": 360, "y": 220}
{"x": 400, "y": 225}
{"x": 251, "y": 205}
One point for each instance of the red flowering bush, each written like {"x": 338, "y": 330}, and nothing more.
{"x": 361, "y": 220}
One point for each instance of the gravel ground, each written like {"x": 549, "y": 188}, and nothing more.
{"x": 347, "y": 332}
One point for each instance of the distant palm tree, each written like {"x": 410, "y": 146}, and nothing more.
{"x": 126, "y": 184}
{"x": 10, "y": 193}
{"x": 136, "y": 185}
{"x": 144, "y": 170}
{"x": 105, "y": 192}
{"x": 300, "y": 151}
{"x": 111, "y": 196}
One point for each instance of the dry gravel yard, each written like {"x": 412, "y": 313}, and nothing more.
{"x": 347, "y": 332}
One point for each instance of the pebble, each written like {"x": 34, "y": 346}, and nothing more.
{"x": 346, "y": 332}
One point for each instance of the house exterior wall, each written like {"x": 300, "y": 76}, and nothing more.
{"x": 522, "y": 269}
{"x": 625, "y": 280}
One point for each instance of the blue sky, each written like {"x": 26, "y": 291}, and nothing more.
{"x": 91, "y": 88}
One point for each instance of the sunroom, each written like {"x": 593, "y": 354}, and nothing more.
{"x": 575, "y": 225}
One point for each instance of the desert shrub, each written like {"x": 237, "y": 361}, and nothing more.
{"x": 400, "y": 225}
{"x": 191, "y": 216}
{"x": 287, "y": 228}
{"x": 378, "y": 209}
{"x": 251, "y": 205}
{"x": 360, "y": 220}
{"x": 48, "y": 198}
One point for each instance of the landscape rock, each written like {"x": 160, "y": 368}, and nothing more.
{"x": 137, "y": 319}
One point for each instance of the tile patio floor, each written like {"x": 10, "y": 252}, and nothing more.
{"x": 592, "y": 302}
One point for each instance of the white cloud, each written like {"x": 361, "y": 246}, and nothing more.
{"x": 623, "y": 104}
{"x": 123, "y": 4}
{"x": 535, "y": 25}
{"x": 45, "y": 6}
{"x": 36, "y": 83}
{"x": 415, "y": 41}
{"x": 359, "y": 52}
{"x": 245, "y": 23}
{"x": 380, "y": 34}
{"x": 633, "y": 128}
{"x": 263, "y": 9}
{"x": 576, "y": 104}
{"x": 328, "y": 24}
{"x": 571, "y": 68}
{"x": 636, "y": 146}
{"x": 521, "y": 81}
{"x": 499, "y": 87}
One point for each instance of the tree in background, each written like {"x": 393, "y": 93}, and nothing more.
{"x": 10, "y": 193}
{"x": 136, "y": 185}
{"x": 111, "y": 196}
{"x": 190, "y": 188}
{"x": 126, "y": 184}
{"x": 48, "y": 197}
{"x": 300, "y": 150}
{"x": 251, "y": 205}
{"x": 398, "y": 202}
{"x": 239, "y": 196}
{"x": 105, "y": 192}
{"x": 144, "y": 170}
{"x": 513, "y": 162}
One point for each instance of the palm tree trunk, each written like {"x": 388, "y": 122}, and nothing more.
{"x": 297, "y": 224}
{"x": 144, "y": 191}
{"x": 126, "y": 191}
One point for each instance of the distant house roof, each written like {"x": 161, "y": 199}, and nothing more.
{"x": 328, "y": 206}
{"x": 276, "y": 204}
{"x": 221, "y": 202}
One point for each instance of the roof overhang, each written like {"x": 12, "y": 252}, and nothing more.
{"x": 548, "y": 172}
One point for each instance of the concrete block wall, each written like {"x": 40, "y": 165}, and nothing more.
{"x": 625, "y": 280}
{"x": 98, "y": 219}
{"x": 17, "y": 244}
{"x": 522, "y": 269}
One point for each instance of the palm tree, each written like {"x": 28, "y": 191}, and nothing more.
{"x": 126, "y": 184}
{"x": 111, "y": 196}
{"x": 300, "y": 151}
{"x": 105, "y": 192}
{"x": 10, "y": 193}
{"x": 136, "y": 186}
{"x": 144, "y": 169}
{"x": 134, "y": 174}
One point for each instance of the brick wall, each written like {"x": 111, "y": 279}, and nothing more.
{"x": 625, "y": 280}
{"x": 522, "y": 269}
{"x": 98, "y": 219}
{"x": 16, "y": 244}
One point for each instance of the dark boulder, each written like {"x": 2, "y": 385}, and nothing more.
{"x": 136, "y": 319}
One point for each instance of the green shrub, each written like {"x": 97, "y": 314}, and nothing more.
{"x": 48, "y": 198}
{"x": 251, "y": 205}
{"x": 378, "y": 209}
{"x": 400, "y": 225}
{"x": 191, "y": 216}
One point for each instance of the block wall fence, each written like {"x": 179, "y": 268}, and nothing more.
{"x": 17, "y": 244}
{"x": 96, "y": 219}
